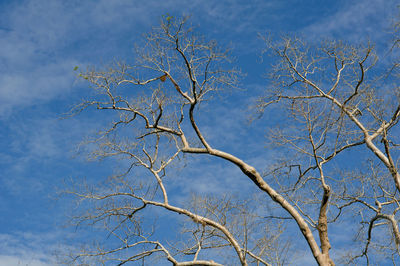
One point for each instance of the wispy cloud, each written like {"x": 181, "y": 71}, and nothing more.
{"x": 27, "y": 249}
{"x": 32, "y": 70}
{"x": 42, "y": 42}
{"x": 355, "y": 21}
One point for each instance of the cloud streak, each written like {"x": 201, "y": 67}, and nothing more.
{"x": 355, "y": 21}
{"x": 27, "y": 249}
{"x": 42, "y": 42}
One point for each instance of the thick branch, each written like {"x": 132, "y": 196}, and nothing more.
{"x": 252, "y": 173}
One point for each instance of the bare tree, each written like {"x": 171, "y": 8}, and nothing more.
{"x": 334, "y": 107}
{"x": 153, "y": 127}
{"x": 338, "y": 98}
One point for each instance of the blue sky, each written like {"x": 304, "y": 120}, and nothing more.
{"x": 42, "y": 41}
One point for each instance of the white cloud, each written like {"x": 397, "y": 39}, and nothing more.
{"x": 32, "y": 70}
{"x": 27, "y": 249}
{"x": 30, "y": 260}
{"x": 32, "y": 87}
{"x": 355, "y": 21}
{"x": 42, "y": 41}
{"x": 35, "y": 150}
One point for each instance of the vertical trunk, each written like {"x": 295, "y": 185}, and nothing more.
{"x": 323, "y": 227}
{"x": 252, "y": 173}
